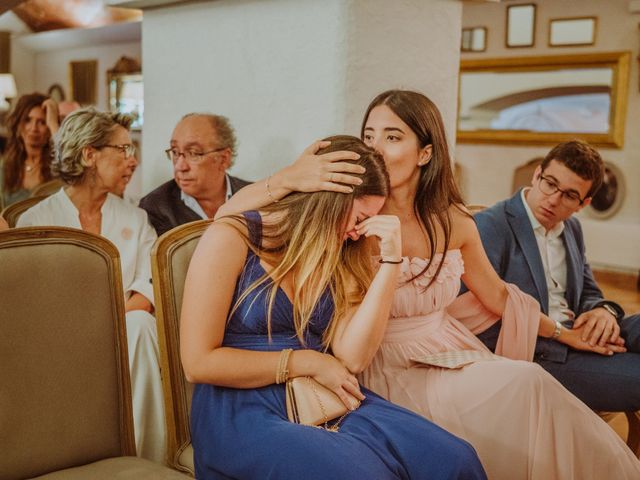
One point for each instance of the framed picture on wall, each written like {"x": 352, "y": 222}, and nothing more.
{"x": 521, "y": 25}
{"x": 474, "y": 39}
{"x": 572, "y": 32}
{"x": 84, "y": 81}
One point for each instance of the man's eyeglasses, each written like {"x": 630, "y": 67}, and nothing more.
{"x": 190, "y": 156}
{"x": 127, "y": 149}
{"x": 569, "y": 198}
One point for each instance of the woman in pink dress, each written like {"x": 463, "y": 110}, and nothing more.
{"x": 522, "y": 422}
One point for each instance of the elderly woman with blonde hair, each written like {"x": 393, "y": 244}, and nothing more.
{"x": 94, "y": 156}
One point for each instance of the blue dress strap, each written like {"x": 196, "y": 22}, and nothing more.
{"x": 254, "y": 226}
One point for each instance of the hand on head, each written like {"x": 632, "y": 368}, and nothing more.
{"x": 50, "y": 108}
{"x": 312, "y": 172}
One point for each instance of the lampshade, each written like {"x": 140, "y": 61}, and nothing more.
{"x": 7, "y": 86}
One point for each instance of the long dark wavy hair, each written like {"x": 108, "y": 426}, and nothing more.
{"x": 15, "y": 153}
{"x": 437, "y": 189}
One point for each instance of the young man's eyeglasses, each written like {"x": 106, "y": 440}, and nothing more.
{"x": 127, "y": 149}
{"x": 569, "y": 198}
{"x": 190, "y": 156}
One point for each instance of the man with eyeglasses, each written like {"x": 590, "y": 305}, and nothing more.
{"x": 202, "y": 148}
{"x": 534, "y": 241}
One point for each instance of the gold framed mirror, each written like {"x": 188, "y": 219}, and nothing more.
{"x": 125, "y": 90}
{"x": 544, "y": 100}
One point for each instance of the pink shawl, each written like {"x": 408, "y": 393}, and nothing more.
{"x": 520, "y": 320}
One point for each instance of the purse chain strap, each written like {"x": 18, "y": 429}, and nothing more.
{"x": 336, "y": 426}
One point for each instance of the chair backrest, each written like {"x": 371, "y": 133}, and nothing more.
{"x": 48, "y": 188}
{"x": 523, "y": 174}
{"x": 65, "y": 398}
{"x": 170, "y": 259}
{"x": 475, "y": 208}
{"x": 13, "y": 211}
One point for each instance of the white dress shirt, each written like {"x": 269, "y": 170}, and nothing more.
{"x": 124, "y": 224}
{"x": 554, "y": 261}
{"x": 193, "y": 204}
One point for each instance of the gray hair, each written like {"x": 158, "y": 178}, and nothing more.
{"x": 86, "y": 127}
{"x": 224, "y": 131}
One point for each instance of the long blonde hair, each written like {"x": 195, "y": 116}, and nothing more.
{"x": 307, "y": 242}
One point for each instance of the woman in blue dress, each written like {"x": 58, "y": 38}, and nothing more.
{"x": 295, "y": 276}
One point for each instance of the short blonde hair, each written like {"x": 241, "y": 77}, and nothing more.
{"x": 86, "y": 127}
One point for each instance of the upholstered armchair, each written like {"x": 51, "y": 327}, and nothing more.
{"x": 170, "y": 259}
{"x": 13, "y": 211}
{"x": 65, "y": 401}
{"x": 48, "y": 188}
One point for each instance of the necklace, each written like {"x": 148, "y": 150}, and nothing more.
{"x": 29, "y": 168}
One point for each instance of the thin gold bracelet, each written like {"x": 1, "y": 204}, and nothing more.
{"x": 393, "y": 262}
{"x": 282, "y": 374}
{"x": 273, "y": 199}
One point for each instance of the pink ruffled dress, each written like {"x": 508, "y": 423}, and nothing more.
{"x": 521, "y": 421}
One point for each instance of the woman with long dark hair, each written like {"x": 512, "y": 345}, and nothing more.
{"x": 26, "y": 162}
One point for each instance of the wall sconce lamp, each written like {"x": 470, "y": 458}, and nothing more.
{"x": 7, "y": 90}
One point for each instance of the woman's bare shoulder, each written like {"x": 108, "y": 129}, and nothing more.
{"x": 226, "y": 236}
{"x": 463, "y": 227}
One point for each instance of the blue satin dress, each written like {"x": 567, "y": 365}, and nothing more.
{"x": 245, "y": 433}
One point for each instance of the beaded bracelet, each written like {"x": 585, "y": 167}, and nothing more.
{"x": 282, "y": 374}
{"x": 273, "y": 199}
{"x": 393, "y": 262}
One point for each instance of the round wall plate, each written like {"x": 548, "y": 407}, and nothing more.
{"x": 609, "y": 198}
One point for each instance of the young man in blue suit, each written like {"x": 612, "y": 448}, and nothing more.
{"x": 534, "y": 241}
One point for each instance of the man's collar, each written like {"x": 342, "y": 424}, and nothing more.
{"x": 535, "y": 224}
{"x": 193, "y": 204}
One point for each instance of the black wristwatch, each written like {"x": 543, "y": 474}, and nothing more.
{"x": 610, "y": 309}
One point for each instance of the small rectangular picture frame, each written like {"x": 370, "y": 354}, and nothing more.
{"x": 520, "y": 29}
{"x": 474, "y": 39}
{"x": 572, "y": 31}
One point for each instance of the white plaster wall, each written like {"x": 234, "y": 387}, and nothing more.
{"x": 488, "y": 169}
{"x": 23, "y": 67}
{"x": 287, "y": 72}
{"x": 52, "y": 66}
{"x": 408, "y": 44}
{"x": 274, "y": 68}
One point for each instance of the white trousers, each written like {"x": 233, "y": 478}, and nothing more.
{"x": 146, "y": 385}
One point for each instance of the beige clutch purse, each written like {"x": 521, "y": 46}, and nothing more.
{"x": 310, "y": 403}
{"x": 453, "y": 359}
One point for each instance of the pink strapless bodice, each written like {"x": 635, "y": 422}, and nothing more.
{"x": 413, "y": 298}
{"x": 417, "y": 311}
